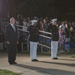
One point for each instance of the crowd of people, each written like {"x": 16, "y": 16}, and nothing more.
{"x": 62, "y": 32}
{"x": 66, "y": 28}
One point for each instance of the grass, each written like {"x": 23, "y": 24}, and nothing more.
{"x": 73, "y": 56}
{"x": 5, "y": 72}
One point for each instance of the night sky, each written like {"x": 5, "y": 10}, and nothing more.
{"x": 37, "y": 7}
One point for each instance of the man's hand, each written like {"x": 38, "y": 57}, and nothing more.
{"x": 7, "y": 42}
{"x": 17, "y": 42}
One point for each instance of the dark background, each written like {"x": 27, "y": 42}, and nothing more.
{"x": 52, "y": 8}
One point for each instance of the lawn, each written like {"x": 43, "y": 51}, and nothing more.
{"x": 73, "y": 56}
{"x": 5, "y": 72}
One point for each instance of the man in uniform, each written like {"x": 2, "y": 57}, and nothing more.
{"x": 55, "y": 36}
{"x": 33, "y": 38}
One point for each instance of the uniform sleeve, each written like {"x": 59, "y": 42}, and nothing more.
{"x": 28, "y": 28}
{"x": 49, "y": 28}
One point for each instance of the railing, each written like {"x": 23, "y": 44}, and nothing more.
{"x": 20, "y": 28}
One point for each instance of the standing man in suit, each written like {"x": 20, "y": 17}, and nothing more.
{"x": 12, "y": 41}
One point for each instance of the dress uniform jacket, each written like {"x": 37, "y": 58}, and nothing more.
{"x": 34, "y": 34}
{"x": 54, "y": 30}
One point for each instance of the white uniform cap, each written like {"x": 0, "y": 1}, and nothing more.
{"x": 53, "y": 20}
{"x": 33, "y": 22}
{"x": 60, "y": 26}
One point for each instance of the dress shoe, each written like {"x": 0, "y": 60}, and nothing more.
{"x": 55, "y": 58}
{"x": 14, "y": 63}
{"x": 34, "y": 60}
{"x": 10, "y": 63}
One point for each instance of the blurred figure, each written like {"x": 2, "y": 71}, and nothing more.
{"x": 72, "y": 34}
{"x": 45, "y": 25}
{"x": 24, "y": 25}
{"x": 45, "y": 28}
{"x": 67, "y": 33}
{"x": 67, "y": 37}
{"x": 41, "y": 25}
{"x": 2, "y": 39}
{"x": 61, "y": 40}
{"x": 41, "y": 28}
{"x": 63, "y": 28}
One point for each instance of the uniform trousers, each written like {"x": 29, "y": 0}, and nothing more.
{"x": 54, "y": 49}
{"x": 33, "y": 50}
